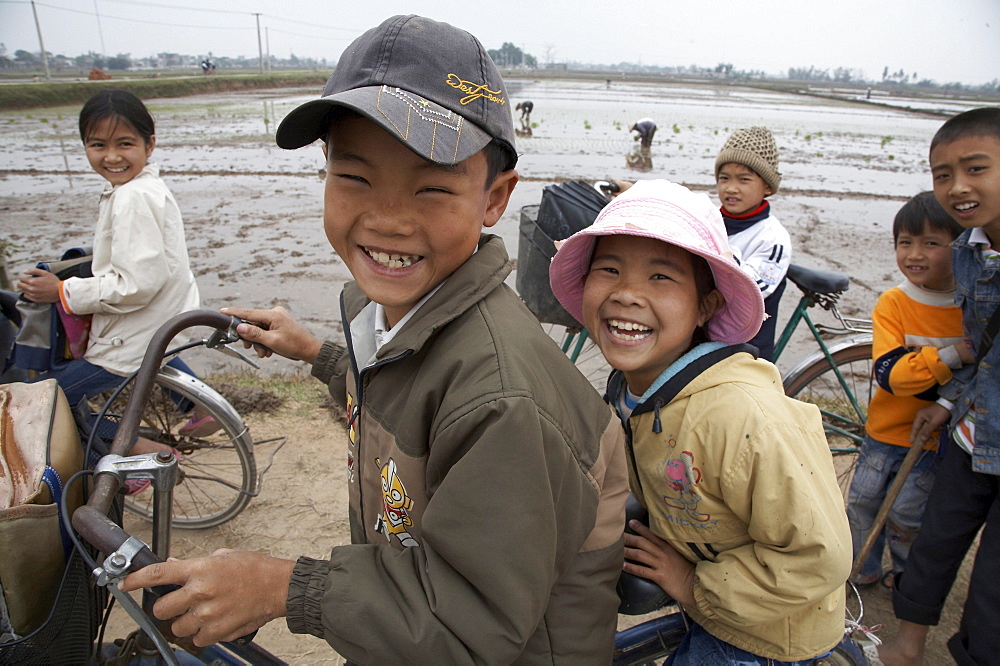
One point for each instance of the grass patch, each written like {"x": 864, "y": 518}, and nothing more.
{"x": 249, "y": 392}
{"x": 72, "y": 93}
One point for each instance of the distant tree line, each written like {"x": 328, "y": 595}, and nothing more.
{"x": 899, "y": 78}
{"x": 508, "y": 56}
{"x": 31, "y": 61}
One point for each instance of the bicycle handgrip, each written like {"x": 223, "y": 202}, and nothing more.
{"x": 160, "y": 590}
{"x": 101, "y": 532}
{"x": 260, "y": 325}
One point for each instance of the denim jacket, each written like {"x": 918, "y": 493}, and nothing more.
{"x": 977, "y": 293}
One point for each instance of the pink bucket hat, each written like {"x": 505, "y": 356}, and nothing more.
{"x": 673, "y": 214}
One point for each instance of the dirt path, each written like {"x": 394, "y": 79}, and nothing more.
{"x": 302, "y": 510}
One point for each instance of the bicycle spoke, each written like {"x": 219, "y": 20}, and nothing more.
{"x": 217, "y": 473}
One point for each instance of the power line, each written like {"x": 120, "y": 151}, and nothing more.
{"x": 344, "y": 32}
{"x": 311, "y": 24}
{"x": 299, "y": 34}
{"x": 189, "y": 9}
{"x": 158, "y": 5}
{"x": 134, "y": 20}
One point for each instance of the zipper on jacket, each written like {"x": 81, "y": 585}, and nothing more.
{"x": 359, "y": 397}
{"x": 359, "y": 400}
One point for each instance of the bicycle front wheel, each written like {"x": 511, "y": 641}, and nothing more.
{"x": 842, "y": 391}
{"x": 217, "y": 471}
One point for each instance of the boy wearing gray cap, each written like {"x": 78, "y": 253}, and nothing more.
{"x": 486, "y": 478}
{"x": 746, "y": 173}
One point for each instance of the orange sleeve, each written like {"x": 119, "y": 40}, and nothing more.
{"x": 62, "y": 298}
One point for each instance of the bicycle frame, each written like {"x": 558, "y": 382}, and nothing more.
{"x": 126, "y": 553}
{"x": 848, "y": 325}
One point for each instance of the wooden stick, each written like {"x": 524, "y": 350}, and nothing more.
{"x": 890, "y": 498}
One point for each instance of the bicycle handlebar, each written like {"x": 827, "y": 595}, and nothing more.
{"x": 91, "y": 520}
{"x": 107, "y": 484}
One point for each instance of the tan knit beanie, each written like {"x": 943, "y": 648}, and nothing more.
{"x": 754, "y": 148}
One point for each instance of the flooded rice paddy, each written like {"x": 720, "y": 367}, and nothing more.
{"x": 253, "y": 211}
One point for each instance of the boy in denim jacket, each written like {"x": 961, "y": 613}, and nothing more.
{"x": 965, "y": 166}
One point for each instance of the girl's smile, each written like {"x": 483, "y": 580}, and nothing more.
{"x": 116, "y": 151}
{"x": 641, "y": 304}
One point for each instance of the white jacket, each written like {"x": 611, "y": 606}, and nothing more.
{"x": 142, "y": 276}
{"x": 765, "y": 252}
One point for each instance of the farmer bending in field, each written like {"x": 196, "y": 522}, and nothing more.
{"x": 644, "y": 130}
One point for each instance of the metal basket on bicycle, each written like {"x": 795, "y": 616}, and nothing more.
{"x": 565, "y": 209}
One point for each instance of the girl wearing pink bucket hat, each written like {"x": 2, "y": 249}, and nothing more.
{"x": 747, "y": 528}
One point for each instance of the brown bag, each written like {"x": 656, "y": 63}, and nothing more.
{"x": 38, "y": 442}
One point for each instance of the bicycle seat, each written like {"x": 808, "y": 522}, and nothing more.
{"x": 820, "y": 282}
{"x": 638, "y": 596}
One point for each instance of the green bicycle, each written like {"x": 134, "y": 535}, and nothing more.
{"x": 838, "y": 377}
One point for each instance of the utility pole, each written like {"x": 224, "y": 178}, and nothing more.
{"x": 100, "y": 31}
{"x": 41, "y": 44}
{"x": 267, "y": 41}
{"x": 260, "y": 48}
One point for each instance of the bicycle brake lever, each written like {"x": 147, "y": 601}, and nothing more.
{"x": 229, "y": 351}
{"x": 115, "y": 568}
{"x": 219, "y": 341}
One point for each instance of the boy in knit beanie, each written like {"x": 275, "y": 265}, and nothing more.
{"x": 746, "y": 172}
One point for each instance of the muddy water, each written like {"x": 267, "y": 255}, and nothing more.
{"x": 253, "y": 211}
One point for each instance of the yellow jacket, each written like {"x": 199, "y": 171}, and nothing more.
{"x": 741, "y": 482}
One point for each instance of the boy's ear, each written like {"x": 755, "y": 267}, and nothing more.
{"x": 150, "y": 145}
{"x": 499, "y": 196}
{"x": 710, "y": 305}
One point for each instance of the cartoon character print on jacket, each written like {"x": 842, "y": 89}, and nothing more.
{"x": 682, "y": 479}
{"x": 394, "y": 518}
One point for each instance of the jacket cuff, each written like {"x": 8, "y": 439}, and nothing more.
{"x": 701, "y": 602}
{"x": 304, "y": 605}
{"x": 936, "y": 364}
{"x": 911, "y": 611}
{"x": 62, "y": 298}
{"x": 949, "y": 356}
{"x": 326, "y": 361}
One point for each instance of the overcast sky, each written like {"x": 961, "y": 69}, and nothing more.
{"x": 943, "y": 40}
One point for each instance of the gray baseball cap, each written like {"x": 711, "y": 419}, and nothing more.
{"x": 429, "y": 84}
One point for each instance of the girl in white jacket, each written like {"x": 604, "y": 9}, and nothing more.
{"x": 141, "y": 275}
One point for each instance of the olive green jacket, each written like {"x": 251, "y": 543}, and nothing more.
{"x": 487, "y": 486}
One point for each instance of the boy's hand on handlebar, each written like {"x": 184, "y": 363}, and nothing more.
{"x": 275, "y": 331}
{"x": 222, "y": 597}
{"x": 39, "y": 286}
{"x": 648, "y": 556}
